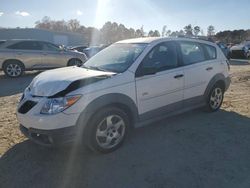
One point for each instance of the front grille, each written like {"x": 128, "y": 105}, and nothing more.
{"x": 26, "y": 106}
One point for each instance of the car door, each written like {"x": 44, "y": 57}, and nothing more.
{"x": 199, "y": 67}
{"x": 28, "y": 52}
{"x": 53, "y": 56}
{"x": 159, "y": 82}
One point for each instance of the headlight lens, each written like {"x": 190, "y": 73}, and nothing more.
{"x": 56, "y": 105}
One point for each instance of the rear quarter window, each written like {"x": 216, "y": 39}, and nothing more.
{"x": 211, "y": 52}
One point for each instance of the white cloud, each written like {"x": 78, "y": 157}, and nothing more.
{"x": 79, "y": 13}
{"x": 22, "y": 13}
{"x": 1, "y": 13}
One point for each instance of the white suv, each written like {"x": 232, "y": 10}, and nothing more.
{"x": 130, "y": 82}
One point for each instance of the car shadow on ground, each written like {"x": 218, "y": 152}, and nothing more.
{"x": 12, "y": 86}
{"x": 239, "y": 62}
{"x": 195, "y": 149}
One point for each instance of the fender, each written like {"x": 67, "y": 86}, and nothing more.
{"x": 216, "y": 78}
{"x": 105, "y": 100}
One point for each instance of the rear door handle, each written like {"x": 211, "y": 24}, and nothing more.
{"x": 178, "y": 76}
{"x": 209, "y": 68}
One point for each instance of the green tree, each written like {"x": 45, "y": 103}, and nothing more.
{"x": 210, "y": 31}
{"x": 156, "y": 34}
{"x": 197, "y": 30}
{"x": 151, "y": 33}
{"x": 188, "y": 30}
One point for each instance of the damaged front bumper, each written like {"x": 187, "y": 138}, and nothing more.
{"x": 49, "y": 138}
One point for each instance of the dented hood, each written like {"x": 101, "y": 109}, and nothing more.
{"x": 52, "y": 82}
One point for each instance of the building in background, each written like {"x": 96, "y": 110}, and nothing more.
{"x": 60, "y": 38}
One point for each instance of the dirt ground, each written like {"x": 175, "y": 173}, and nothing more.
{"x": 195, "y": 149}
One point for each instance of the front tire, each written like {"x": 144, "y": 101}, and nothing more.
{"x": 13, "y": 68}
{"x": 215, "y": 98}
{"x": 107, "y": 130}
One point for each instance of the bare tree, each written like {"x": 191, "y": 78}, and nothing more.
{"x": 73, "y": 25}
{"x": 163, "y": 32}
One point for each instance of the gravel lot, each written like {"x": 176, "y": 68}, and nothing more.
{"x": 195, "y": 149}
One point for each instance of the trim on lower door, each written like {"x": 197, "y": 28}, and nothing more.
{"x": 171, "y": 109}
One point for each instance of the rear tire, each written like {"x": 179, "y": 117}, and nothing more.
{"x": 13, "y": 68}
{"x": 215, "y": 98}
{"x": 107, "y": 130}
{"x": 75, "y": 62}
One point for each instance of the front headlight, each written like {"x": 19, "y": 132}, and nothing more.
{"x": 56, "y": 105}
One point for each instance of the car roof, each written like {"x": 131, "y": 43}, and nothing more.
{"x": 148, "y": 40}
{"x": 140, "y": 40}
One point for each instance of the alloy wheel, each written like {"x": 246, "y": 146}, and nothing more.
{"x": 216, "y": 98}
{"x": 110, "y": 131}
{"x": 13, "y": 70}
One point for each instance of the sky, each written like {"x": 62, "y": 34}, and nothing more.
{"x": 151, "y": 14}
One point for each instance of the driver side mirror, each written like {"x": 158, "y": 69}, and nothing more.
{"x": 61, "y": 48}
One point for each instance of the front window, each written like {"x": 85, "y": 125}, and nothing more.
{"x": 116, "y": 58}
{"x": 26, "y": 45}
{"x": 162, "y": 57}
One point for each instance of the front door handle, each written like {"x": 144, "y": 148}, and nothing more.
{"x": 209, "y": 68}
{"x": 178, "y": 76}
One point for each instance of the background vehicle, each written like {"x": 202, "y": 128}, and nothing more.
{"x": 91, "y": 51}
{"x": 78, "y": 48}
{"x": 129, "y": 82}
{"x": 224, "y": 49}
{"x": 241, "y": 51}
{"x": 20, "y": 55}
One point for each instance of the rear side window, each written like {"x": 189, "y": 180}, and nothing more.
{"x": 192, "y": 52}
{"x": 26, "y": 45}
{"x": 211, "y": 52}
{"x": 50, "y": 47}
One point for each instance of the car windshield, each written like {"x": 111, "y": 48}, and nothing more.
{"x": 116, "y": 58}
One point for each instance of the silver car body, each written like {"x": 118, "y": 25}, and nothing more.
{"x": 47, "y": 55}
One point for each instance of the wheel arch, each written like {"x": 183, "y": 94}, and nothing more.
{"x": 217, "y": 79}
{"x": 73, "y": 58}
{"x": 118, "y": 100}
{"x": 9, "y": 60}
